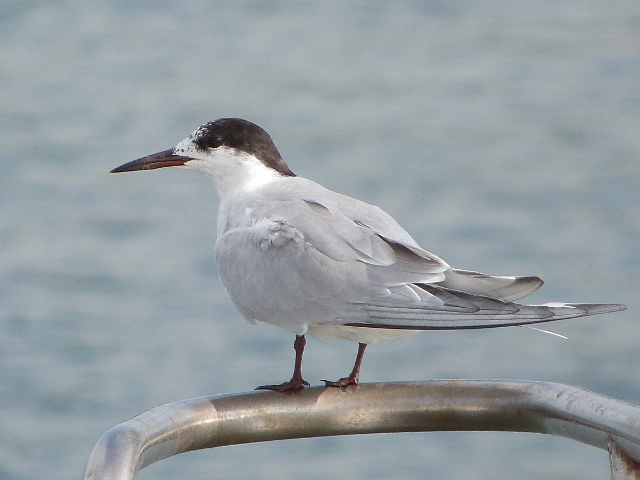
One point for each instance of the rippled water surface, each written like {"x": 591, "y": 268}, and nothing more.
{"x": 503, "y": 135}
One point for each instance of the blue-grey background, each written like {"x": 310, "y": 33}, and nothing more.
{"x": 503, "y": 135}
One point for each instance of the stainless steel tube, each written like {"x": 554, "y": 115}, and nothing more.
{"x": 447, "y": 405}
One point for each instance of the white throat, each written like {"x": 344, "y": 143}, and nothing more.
{"x": 232, "y": 170}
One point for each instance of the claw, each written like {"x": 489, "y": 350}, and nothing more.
{"x": 343, "y": 382}
{"x": 354, "y": 377}
{"x": 297, "y": 382}
{"x": 292, "y": 385}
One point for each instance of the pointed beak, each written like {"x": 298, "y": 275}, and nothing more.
{"x": 157, "y": 160}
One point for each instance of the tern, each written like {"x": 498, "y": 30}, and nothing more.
{"x": 296, "y": 255}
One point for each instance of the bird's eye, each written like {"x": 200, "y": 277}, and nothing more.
{"x": 217, "y": 141}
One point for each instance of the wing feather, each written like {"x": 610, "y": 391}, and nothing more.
{"x": 461, "y": 310}
{"x": 501, "y": 287}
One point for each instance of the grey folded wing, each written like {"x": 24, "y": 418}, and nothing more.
{"x": 462, "y": 310}
{"x": 408, "y": 287}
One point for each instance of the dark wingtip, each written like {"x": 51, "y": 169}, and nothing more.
{"x": 592, "y": 308}
{"x": 596, "y": 309}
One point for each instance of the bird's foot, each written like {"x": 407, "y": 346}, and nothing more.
{"x": 343, "y": 382}
{"x": 292, "y": 385}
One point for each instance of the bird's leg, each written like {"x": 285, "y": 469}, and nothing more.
{"x": 354, "y": 377}
{"x": 296, "y": 382}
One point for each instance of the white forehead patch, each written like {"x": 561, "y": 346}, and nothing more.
{"x": 186, "y": 147}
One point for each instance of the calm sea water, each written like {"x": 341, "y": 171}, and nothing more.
{"x": 502, "y": 135}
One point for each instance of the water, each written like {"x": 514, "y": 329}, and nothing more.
{"x": 502, "y": 135}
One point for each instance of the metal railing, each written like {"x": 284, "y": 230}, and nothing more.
{"x": 447, "y": 405}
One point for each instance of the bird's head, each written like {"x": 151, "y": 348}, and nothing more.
{"x": 234, "y": 153}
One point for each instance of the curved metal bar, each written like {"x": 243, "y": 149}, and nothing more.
{"x": 447, "y": 405}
